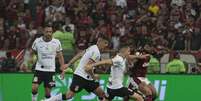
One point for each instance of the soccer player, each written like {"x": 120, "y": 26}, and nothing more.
{"x": 81, "y": 78}
{"x": 118, "y": 68}
{"x": 46, "y": 48}
{"x": 138, "y": 79}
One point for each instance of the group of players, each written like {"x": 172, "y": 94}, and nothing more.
{"x": 47, "y": 49}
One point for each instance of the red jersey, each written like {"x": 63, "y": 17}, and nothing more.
{"x": 140, "y": 68}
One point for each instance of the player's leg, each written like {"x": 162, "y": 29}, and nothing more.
{"x": 47, "y": 92}
{"x": 100, "y": 93}
{"x": 129, "y": 93}
{"x": 92, "y": 86}
{"x": 49, "y": 83}
{"x": 75, "y": 87}
{"x": 143, "y": 87}
{"x": 35, "y": 84}
{"x": 137, "y": 97}
{"x": 133, "y": 86}
{"x": 109, "y": 95}
{"x": 34, "y": 91}
{"x": 154, "y": 93}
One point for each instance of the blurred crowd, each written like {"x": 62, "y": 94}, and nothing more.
{"x": 162, "y": 25}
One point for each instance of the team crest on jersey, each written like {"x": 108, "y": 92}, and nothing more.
{"x": 76, "y": 88}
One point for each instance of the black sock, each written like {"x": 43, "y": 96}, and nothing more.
{"x": 47, "y": 96}
{"x": 64, "y": 97}
{"x": 100, "y": 98}
{"x": 34, "y": 93}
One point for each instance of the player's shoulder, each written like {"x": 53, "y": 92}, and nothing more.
{"x": 118, "y": 58}
{"x": 54, "y": 40}
{"x": 93, "y": 47}
{"x": 37, "y": 40}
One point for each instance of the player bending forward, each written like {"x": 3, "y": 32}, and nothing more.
{"x": 138, "y": 79}
{"x": 118, "y": 68}
{"x": 81, "y": 78}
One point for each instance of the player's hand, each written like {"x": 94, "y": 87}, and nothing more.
{"x": 62, "y": 75}
{"x": 88, "y": 68}
{"x": 145, "y": 56}
{"x": 96, "y": 77}
{"x": 62, "y": 68}
{"x": 65, "y": 66}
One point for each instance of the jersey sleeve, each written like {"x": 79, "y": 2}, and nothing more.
{"x": 116, "y": 61}
{"x": 59, "y": 48}
{"x": 93, "y": 54}
{"x": 34, "y": 45}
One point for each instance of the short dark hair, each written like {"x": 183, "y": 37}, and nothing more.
{"x": 124, "y": 46}
{"x": 48, "y": 24}
{"x": 104, "y": 37}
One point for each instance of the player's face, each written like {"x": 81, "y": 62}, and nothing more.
{"x": 127, "y": 51}
{"x": 102, "y": 43}
{"x": 48, "y": 31}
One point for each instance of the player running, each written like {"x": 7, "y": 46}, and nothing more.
{"x": 46, "y": 48}
{"x": 138, "y": 79}
{"x": 118, "y": 68}
{"x": 81, "y": 78}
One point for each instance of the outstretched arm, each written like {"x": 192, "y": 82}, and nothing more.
{"x": 90, "y": 65}
{"x": 75, "y": 58}
{"x": 138, "y": 56}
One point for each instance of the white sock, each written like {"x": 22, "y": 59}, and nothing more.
{"x": 34, "y": 97}
{"x": 55, "y": 98}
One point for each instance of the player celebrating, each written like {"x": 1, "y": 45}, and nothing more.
{"x": 138, "y": 78}
{"x": 46, "y": 48}
{"x": 118, "y": 68}
{"x": 81, "y": 78}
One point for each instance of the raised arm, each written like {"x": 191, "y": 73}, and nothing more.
{"x": 138, "y": 56}
{"x": 90, "y": 65}
{"x": 75, "y": 58}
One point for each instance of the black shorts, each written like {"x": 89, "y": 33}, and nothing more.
{"x": 121, "y": 92}
{"x": 79, "y": 83}
{"x": 46, "y": 77}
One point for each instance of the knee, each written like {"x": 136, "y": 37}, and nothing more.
{"x": 69, "y": 95}
{"x": 139, "y": 98}
{"x": 34, "y": 88}
{"x": 147, "y": 91}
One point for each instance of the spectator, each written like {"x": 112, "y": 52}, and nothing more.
{"x": 154, "y": 8}
{"x": 66, "y": 37}
{"x": 175, "y": 65}
{"x": 121, "y": 3}
{"x": 196, "y": 42}
{"x": 9, "y": 64}
{"x": 154, "y": 65}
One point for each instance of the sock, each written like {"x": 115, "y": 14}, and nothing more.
{"x": 148, "y": 98}
{"x": 56, "y": 97}
{"x": 34, "y": 96}
{"x": 64, "y": 97}
{"x": 100, "y": 98}
{"x": 47, "y": 96}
